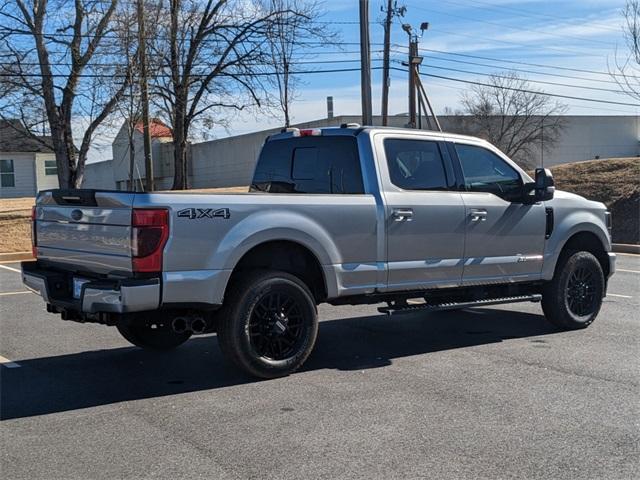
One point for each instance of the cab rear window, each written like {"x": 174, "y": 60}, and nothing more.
{"x": 309, "y": 165}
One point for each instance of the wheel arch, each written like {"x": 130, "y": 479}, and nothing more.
{"x": 586, "y": 241}
{"x": 287, "y": 256}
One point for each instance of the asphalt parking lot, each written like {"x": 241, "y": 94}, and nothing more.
{"x": 485, "y": 393}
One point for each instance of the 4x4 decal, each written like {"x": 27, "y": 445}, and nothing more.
{"x": 195, "y": 213}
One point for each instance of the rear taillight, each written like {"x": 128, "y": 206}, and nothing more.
{"x": 149, "y": 233}
{"x": 34, "y": 238}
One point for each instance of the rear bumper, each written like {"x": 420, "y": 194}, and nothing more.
{"x": 98, "y": 296}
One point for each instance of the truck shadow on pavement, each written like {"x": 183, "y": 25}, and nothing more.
{"x": 102, "y": 377}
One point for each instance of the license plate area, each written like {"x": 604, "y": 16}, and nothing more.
{"x": 77, "y": 286}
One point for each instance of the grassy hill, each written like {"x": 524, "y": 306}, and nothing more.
{"x": 15, "y": 224}
{"x": 614, "y": 182}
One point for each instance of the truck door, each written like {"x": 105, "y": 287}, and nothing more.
{"x": 504, "y": 236}
{"x": 424, "y": 213}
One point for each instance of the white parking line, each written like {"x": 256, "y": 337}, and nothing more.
{"x": 15, "y": 293}
{"x": 10, "y": 268}
{"x": 617, "y": 295}
{"x": 628, "y": 271}
{"x": 8, "y": 363}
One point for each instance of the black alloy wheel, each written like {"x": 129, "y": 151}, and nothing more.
{"x": 572, "y": 299}
{"x": 581, "y": 291}
{"x": 268, "y": 324}
{"x": 276, "y": 326}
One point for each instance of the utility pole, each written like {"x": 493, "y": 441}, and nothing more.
{"x": 365, "y": 64}
{"x": 413, "y": 54}
{"x": 415, "y": 85}
{"x": 391, "y": 11}
{"x": 144, "y": 90}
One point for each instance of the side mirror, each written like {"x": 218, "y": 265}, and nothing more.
{"x": 544, "y": 185}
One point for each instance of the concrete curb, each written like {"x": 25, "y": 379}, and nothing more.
{"x": 626, "y": 248}
{"x": 15, "y": 256}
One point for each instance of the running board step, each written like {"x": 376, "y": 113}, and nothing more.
{"x": 391, "y": 310}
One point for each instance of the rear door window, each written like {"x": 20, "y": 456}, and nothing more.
{"x": 309, "y": 165}
{"x": 416, "y": 165}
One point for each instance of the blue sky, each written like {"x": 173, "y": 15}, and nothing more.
{"x": 579, "y": 34}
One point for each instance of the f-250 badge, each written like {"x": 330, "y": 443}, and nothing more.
{"x": 195, "y": 213}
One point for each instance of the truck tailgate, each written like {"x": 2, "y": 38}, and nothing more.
{"x": 85, "y": 230}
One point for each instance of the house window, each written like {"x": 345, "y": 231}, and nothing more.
{"x": 50, "y": 167}
{"x": 7, "y": 174}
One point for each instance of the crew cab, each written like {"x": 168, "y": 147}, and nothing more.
{"x": 412, "y": 220}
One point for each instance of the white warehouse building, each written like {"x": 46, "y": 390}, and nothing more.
{"x": 230, "y": 161}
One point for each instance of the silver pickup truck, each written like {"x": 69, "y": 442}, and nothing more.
{"x": 412, "y": 220}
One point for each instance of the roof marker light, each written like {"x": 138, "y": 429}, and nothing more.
{"x": 311, "y": 132}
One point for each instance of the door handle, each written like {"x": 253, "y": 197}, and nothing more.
{"x": 402, "y": 214}
{"x": 478, "y": 215}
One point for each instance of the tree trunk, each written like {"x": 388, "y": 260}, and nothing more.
{"x": 179, "y": 154}
{"x": 285, "y": 105}
{"x": 132, "y": 155}
{"x": 61, "y": 152}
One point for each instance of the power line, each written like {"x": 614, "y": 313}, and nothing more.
{"x": 536, "y": 72}
{"x": 460, "y": 88}
{"x": 529, "y": 80}
{"x": 515, "y": 62}
{"x": 166, "y": 75}
{"x": 49, "y": 36}
{"x": 93, "y": 65}
{"x": 302, "y": 54}
{"x": 557, "y": 95}
{"x": 345, "y": 70}
{"x": 572, "y": 105}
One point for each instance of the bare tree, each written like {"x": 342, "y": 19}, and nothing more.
{"x": 512, "y": 115}
{"x": 49, "y": 52}
{"x": 627, "y": 70}
{"x": 129, "y": 107}
{"x": 287, "y": 36}
{"x": 214, "y": 56}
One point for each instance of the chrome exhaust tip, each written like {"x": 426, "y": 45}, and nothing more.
{"x": 198, "y": 325}
{"x": 180, "y": 325}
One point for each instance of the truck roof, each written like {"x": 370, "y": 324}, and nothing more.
{"x": 354, "y": 129}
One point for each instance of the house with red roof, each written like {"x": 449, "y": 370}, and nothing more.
{"x": 128, "y": 155}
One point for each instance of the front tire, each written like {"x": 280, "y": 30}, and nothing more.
{"x": 269, "y": 324}
{"x": 572, "y": 299}
{"x": 152, "y": 335}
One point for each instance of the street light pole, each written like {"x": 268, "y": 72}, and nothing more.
{"x": 385, "y": 63}
{"x": 413, "y": 53}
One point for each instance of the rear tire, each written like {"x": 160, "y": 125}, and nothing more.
{"x": 572, "y": 299}
{"x": 152, "y": 336}
{"x": 268, "y": 325}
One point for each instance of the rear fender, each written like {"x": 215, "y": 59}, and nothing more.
{"x": 274, "y": 225}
